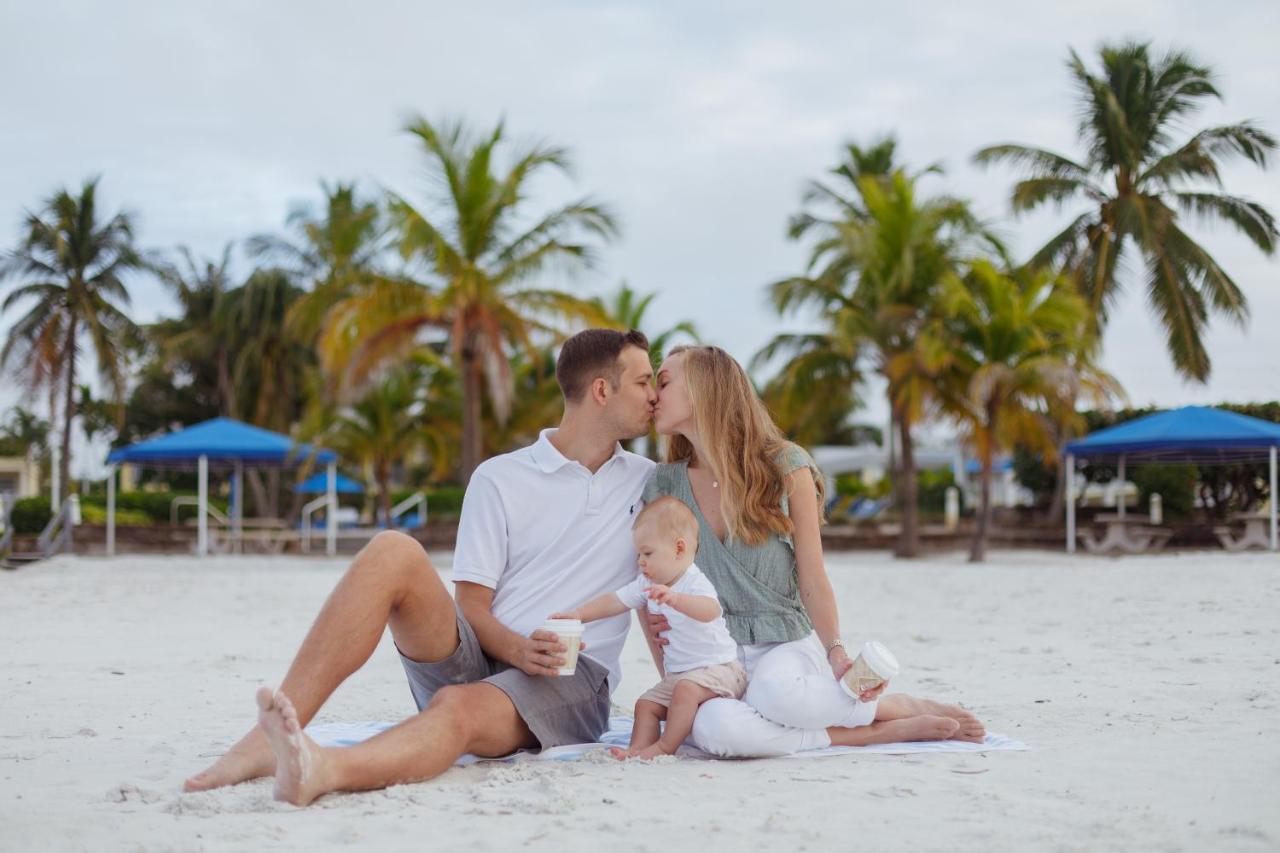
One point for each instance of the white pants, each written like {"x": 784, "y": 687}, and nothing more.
{"x": 791, "y": 699}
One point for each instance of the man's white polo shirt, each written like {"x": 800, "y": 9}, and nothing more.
{"x": 546, "y": 535}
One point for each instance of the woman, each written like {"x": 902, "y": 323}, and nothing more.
{"x": 758, "y": 500}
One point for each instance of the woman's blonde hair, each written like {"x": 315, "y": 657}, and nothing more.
{"x": 741, "y": 441}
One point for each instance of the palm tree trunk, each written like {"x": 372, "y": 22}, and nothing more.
{"x": 225, "y": 389}
{"x": 260, "y": 503}
{"x": 978, "y": 547}
{"x": 68, "y": 414}
{"x": 909, "y": 538}
{"x": 384, "y": 491}
{"x": 471, "y": 438}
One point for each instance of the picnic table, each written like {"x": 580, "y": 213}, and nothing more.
{"x": 1125, "y": 534}
{"x": 1255, "y": 535}
{"x": 263, "y": 535}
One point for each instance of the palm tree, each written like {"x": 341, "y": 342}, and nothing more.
{"x": 333, "y": 252}
{"x": 381, "y": 429}
{"x": 813, "y": 394}
{"x": 1021, "y": 341}
{"x": 877, "y": 272}
{"x": 1138, "y": 181}
{"x": 269, "y": 364}
{"x": 73, "y": 265}
{"x": 626, "y": 309}
{"x": 482, "y": 248}
{"x": 199, "y": 340}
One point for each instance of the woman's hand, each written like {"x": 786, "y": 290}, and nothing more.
{"x": 840, "y": 662}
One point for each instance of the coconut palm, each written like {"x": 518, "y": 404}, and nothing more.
{"x": 72, "y": 264}
{"x": 333, "y": 253}
{"x": 482, "y": 249}
{"x": 380, "y": 430}
{"x": 877, "y": 275}
{"x": 198, "y": 342}
{"x": 1141, "y": 180}
{"x": 270, "y": 363}
{"x": 1021, "y": 344}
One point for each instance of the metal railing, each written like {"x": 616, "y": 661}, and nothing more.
{"x": 6, "y": 518}
{"x": 187, "y": 500}
{"x": 415, "y": 499}
{"x": 56, "y": 536}
{"x": 309, "y": 509}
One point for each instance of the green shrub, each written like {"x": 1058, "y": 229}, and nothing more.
{"x": 932, "y": 488}
{"x": 154, "y": 505}
{"x": 31, "y": 515}
{"x": 1176, "y": 485}
{"x": 94, "y": 514}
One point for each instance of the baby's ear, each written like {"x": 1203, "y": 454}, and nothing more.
{"x": 681, "y": 545}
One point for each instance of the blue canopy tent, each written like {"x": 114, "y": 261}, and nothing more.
{"x": 221, "y": 443}
{"x": 318, "y": 484}
{"x": 1190, "y": 434}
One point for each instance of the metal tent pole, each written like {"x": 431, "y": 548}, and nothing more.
{"x": 111, "y": 510}
{"x": 1071, "y": 504}
{"x": 202, "y": 509}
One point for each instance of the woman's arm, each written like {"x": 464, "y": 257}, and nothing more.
{"x": 815, "y": 587}
{"x": 816, "y": 594}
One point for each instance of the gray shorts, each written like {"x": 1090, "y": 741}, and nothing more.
{"x": 557, "y": 709}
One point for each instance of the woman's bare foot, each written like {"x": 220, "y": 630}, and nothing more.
{"x": 251, "y": 758}
{"x": 924, "y": 727}
{"x": 300, "y": 763}
{"x": 902, "y": 706}
{"x": 654, "y": 751}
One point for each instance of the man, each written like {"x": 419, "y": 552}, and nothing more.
{"x": 542, "y": 529}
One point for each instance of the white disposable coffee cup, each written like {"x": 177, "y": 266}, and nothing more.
{"x": 570, "y": 633}
{"x": 873, "y": 666}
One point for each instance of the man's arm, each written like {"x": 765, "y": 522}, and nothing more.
{"x": 541, "y": 653}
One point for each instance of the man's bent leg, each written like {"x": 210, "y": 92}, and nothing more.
{"x": 477, "y": 718}
{"x": 390, "y": 582}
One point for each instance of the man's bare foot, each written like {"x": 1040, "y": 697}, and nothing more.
{"x": 251, "y": 758}
{"x": 300, "y": 762}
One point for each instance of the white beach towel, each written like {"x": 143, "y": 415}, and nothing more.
{"x": 619, "y": 734}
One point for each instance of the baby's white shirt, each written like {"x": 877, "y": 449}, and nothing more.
{"x": 692, "y": 644}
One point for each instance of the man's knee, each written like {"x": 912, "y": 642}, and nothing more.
{"x": 391, "y": 552}
{"x": 455, "y": 706}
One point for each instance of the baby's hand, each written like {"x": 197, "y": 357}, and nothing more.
{"x": 661, "y": 593}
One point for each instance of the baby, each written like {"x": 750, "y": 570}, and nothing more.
{"x": 701, "y": 659}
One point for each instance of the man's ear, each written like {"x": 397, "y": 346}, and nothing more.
{"x": 600, "y": 390}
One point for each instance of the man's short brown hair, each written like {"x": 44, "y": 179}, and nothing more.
{"x": 593, "y": 354}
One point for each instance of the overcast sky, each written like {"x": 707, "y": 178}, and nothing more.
{"x": 698, "y": 123}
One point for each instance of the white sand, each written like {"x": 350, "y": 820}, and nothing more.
{"x": 1148, "y": 689}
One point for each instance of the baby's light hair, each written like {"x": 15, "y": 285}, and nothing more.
{"x": 671, "y": 518}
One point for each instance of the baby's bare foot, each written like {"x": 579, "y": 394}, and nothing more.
{"x": 653, "y": 751}
{"x": 300, "y": 763}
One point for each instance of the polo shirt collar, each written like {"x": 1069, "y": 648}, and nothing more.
{"x": 550, "y": 459}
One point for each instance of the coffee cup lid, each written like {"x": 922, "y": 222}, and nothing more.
{"x": 880, "y": 659}
{"x": 562, "y": 626}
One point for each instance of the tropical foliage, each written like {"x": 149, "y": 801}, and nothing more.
{"x": 1141, "y": 181}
